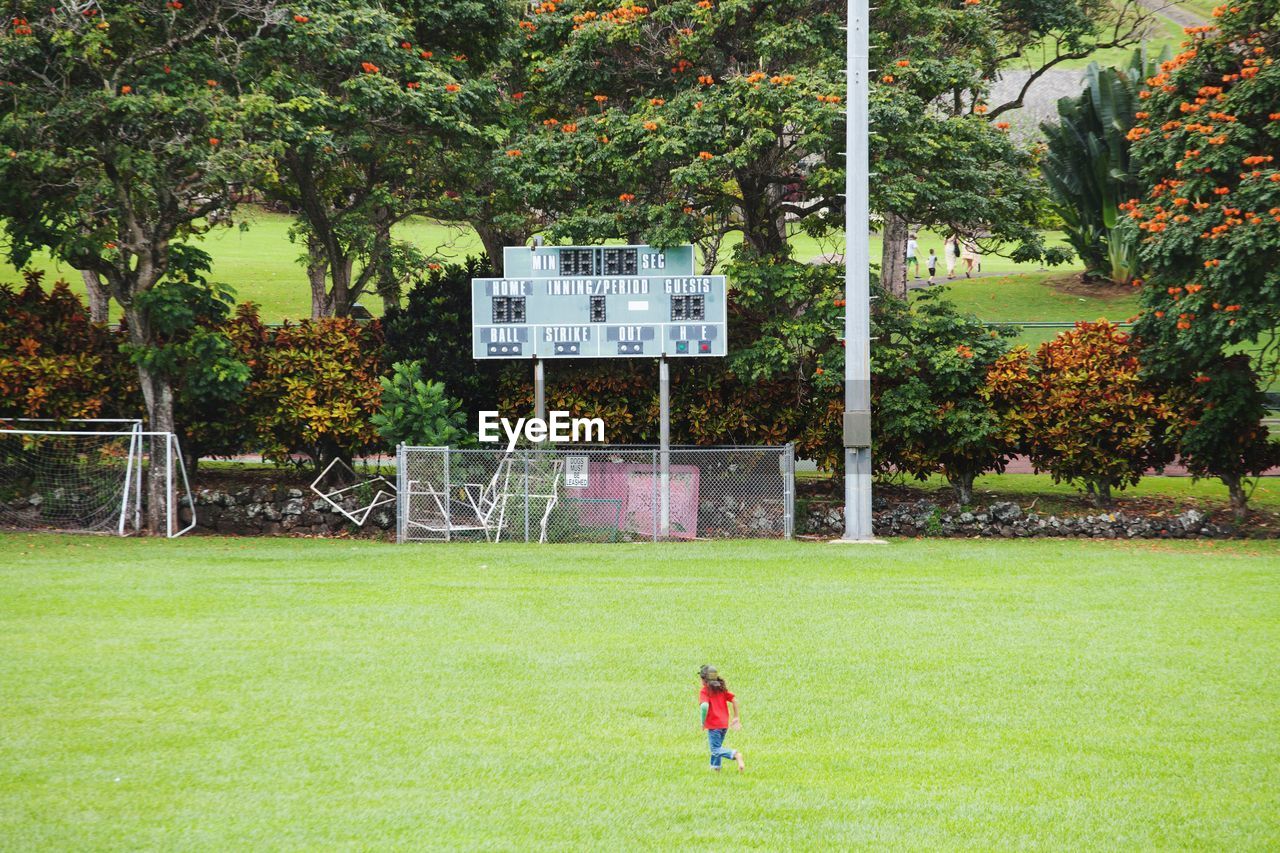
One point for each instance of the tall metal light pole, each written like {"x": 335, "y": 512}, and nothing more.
{"x": 857, "y": 283}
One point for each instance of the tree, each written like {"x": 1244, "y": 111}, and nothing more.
{"x": 1208, "y": 146}
{"x": 1081, "y": 409}
{"x": 370, "y": 98}
{"x": 1088, "y": 171}
{"x": 122, "y": 134}
{"x": 930, "y": 369}
{"x": 668, "y": 123}
{"x": 1224, "y": 435}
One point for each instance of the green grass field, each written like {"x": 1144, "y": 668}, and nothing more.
{"x": 1030, "y": 297}
{"x": 262, "y": 265}
{"x": 1163, "y": 33}
{"x": 287, "y": 694}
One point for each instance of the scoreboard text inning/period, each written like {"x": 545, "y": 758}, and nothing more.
{"x": 598, "y": 302}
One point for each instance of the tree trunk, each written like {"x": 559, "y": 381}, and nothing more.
{"x": 157, "y": 391}
{"x": 387, "y": 283}
{"x": 710, "y": 246}
{"x": 763, "y": 227}
{"x": 99, "y": 297}
{"x": 963, "y": 484}
{"x": 340, "y": 297}
{"x": 893, "y": 255}
{"x": 1239, "y": 498}
{"x": 318, "y": 275}
{"x": 494, "y": 240}
{"x": 1099, "y": 492}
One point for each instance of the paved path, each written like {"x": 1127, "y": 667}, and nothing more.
{"x": 1175, "y": 12}
{"x": 1022, "y": 465}
{"x": 1041, "y": 102}
{"x": 922, "y": 283}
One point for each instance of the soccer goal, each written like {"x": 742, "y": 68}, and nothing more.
{"x": 87, "y": 476}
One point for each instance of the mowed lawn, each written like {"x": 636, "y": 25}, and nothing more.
{"x": 300, "y": 694}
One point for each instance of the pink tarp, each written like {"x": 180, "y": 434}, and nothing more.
{"x": 633, "y": 489}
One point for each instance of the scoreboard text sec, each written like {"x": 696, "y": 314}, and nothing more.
{"x": 598, "y": 302}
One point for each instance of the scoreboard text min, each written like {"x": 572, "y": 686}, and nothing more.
{"x": 598, "y": 302}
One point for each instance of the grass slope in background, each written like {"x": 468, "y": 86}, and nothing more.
{"x": 263, "y": 265}
{"x": 1164, "y": 33}
{"x": 224, "y": 693}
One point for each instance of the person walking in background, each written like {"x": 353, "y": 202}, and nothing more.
{"x": 951, "y": 249}
{"x": 913, "y": 249}
{"x": 932, "y": 263}
{"x": 719, "y": 714}
{"x": 969, "y": 254}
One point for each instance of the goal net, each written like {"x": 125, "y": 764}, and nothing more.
{"x": 86, "y": 480}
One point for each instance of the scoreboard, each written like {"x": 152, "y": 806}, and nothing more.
{"x": 598, "y": 302}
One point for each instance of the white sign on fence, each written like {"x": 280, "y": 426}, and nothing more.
{"x": 577, "y": 473}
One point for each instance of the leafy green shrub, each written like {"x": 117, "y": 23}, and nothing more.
{"x": 1087, "y": 167}
{"x": 418, "y": 411}
{"x": 55, "y": 363}
{"x": 1082, "y": 410}
{"x": 1224, "y": 435}
{"x": 315, "y": 386}
{"x": 207, "y": 371}
{"x": 929, "y": 411}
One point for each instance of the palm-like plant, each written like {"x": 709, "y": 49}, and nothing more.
{"x": 1087, "y": 166}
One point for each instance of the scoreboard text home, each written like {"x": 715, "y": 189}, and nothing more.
{"x": 598, "y": 302}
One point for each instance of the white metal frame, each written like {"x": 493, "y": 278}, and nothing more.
{"x": 484, "y": 501}
{"x": 380, "y": 498}
{"x": 552, "y": 497}
{"x": 133, "y": 468}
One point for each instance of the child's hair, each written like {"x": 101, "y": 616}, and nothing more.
{"x": 712, "y": 679}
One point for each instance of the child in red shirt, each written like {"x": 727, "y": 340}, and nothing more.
{"x": 716, "y": 701}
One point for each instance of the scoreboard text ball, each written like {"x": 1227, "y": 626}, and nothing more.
{"x": 598, "y": 302}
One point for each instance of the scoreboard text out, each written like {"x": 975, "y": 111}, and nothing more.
{"x": 598, "y": 302}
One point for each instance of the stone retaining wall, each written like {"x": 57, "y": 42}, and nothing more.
{"x": 1007, "y": 520}
{"x": 264, "y": 511}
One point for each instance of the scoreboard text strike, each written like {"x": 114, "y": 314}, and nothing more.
{"x": 598, "y": 302}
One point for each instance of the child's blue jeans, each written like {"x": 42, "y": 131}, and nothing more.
{"x": 719, "y": 751}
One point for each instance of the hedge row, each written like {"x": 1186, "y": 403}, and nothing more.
{"x": 950, "y": 395}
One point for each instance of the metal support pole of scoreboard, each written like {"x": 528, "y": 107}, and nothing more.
{"x": 664, "y": 448}
{"x": 539, "y": 389}
{"x": 857, "y": 290}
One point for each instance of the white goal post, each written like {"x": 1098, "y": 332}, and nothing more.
{"x": 88, "y": 479}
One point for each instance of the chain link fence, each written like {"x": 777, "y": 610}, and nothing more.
{"x": 597, "y": 494}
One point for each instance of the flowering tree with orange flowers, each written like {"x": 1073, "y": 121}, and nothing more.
{"x": 1208, "y": 144}
{"x": 367, "y": 101}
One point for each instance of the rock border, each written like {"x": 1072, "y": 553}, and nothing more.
{"x": 1006, "y": 519}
